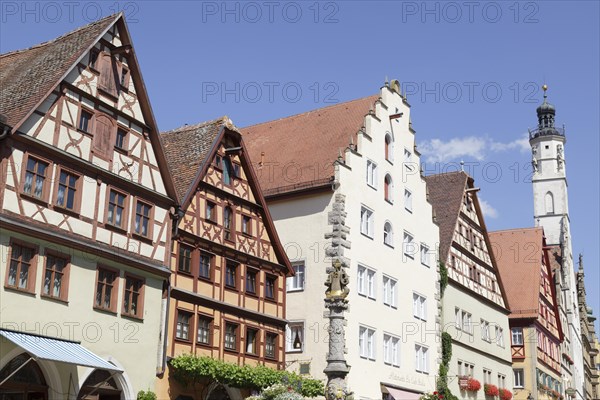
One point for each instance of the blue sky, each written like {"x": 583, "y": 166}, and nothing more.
{"x": 472, "y": 71}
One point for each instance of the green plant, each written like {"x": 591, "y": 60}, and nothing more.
{"x": 146, "y": 395}
{"x": 442, "y": 383}
{"x": 189, "y": 369}
{"x": 443, "y": 277}
{"x": 432, "y": 396}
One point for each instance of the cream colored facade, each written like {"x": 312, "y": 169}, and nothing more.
{"x": 384, "y": 324}
{"x": 132, "y": 247}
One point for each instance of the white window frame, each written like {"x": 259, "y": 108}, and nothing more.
{"x": 390, "y": 147}
{"x": 467, "y": 322}
{"x": 419, "y": 306}
{"x": 408, "y": 206}
{"x": 366, "y": 342}
{"x": 499, "y": 336}
{"x": 421, "y": 359}
{"x": 390, "y": 291}
{"x": 388, "y": 235}
{"x": 408, "y": 244}
{"x": 367, "y": 221}
{"x": 516, "y": 336}
{"x": 289, "y": 339}
{"x": 458, "y": 318}
{"x": 425, "y": 255}
{"x": 485, "y": 331}
{"x": 518, "y": 378}
{"x": 391, "y": 350}
{"x": 408, "y": 160}
{"x": 366, "y": 281}
{"x": 297, "y": 282}
{"x": 372, "y": 174}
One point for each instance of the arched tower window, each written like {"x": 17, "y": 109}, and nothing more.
{"x": 27, "y": 383}
{"x": 549, "y": 201}
{"x": 388, "y": 234}
{"x": 388, "y": 188}
{"x": 389, "y": 148}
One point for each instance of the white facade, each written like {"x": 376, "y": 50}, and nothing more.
{"x": 391, "y": 335}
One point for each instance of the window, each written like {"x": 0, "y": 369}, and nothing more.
{"x": 389, "y": 148}
{"x": 499, "y": 336}
{"x": 124, "y": 81}
{"x": 21, "y": 273}
{"x": 183, "y": 325}
{"x": 388, "y": 187}
{"x": 519, "y": 378}
{"x": 270, "y": 286}
{"x": 210, "y": 212}
{"x": 251, "y": 339}
{"x": 388, "y": 234}
{"x": 466, "y": 320}
{"x": 517, "y": 336}
{"x": 228, "y": 172}
{"x": 366, "y": 342}
{"x": 372, "y": 174}
{"x": 421, "y": 359}
{"x": 501, "y": 381}
{"x": 228, "y": 222}
{"x": 294, "y": 337}
{"x": 67, "y": 190}
{"x": 133, "y": 298}
{"x": 391, "y": 350}
{"x": 251, "y": 281}
{"x": 366, "y": 221}
{"x": 231, "y": 274}
{"x": 408, "y": 200}
{"x": 389, "y": 291}
{"x": 425, "y": 255}
{"x": 366, "y": 282}
{"x": 142, "y": 219}
{"x": 55, "y": 277}
{"x": 408, "y": 163}
{"x": 485, "y": 330}
{"x": 205, "y": 265}
{"x": 465, "y": 369}
{"x": 419, "y": 307}
{"x": 296, "y": 282}
{"x": 246, "y": 225}
{"x": 408, "y": 245}
{"x": 106, "y": 289}
{"x": 457, "y": 318}
{"x": 204, "y": 328}
{"x": 184, "y": 264}
{"x": 116, "y": 209}
{"x": 35, "y": 178}
{"x": 230, "y": 336}
{"x": 270, "y": 345}
{"x": 85, "y": 121}
{"x": 121, "y": 140}
{"x": 487, "y": 376}
{"x": 93, "y": 58}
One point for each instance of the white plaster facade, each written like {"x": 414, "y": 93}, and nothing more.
{"x": 302, "y": 223}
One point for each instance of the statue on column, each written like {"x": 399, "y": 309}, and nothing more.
{"x": 559, "y": 156}
{"x": 534, "y": 161}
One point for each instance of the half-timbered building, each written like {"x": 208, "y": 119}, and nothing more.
{"x": 85, "y": 196}
{"x": 536, "y": 333}
{"x": 474, "y": 304}
{"x": 228, "y": 266}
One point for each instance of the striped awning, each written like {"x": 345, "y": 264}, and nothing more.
{"x": 52, "y": 349}
{"x": 399, "y": 394}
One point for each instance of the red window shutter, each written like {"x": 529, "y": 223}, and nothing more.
{"x": 103, "y": 136}
{"x": 108, "y": 74}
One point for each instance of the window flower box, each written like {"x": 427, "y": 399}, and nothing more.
{"x": 473, "y": 385}
{"x": 505, "y": 394}
{"x": 491, "y": 390}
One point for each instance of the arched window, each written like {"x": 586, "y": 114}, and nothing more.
{"x": 389, "y": 148}
{"x": 388, "y": 234}
{"x": 227, "y": 222}
{"x": 99, "y": 379}
{"x": 27, "y": 383}
{"x": 549, "y": 201}
{"x": 388, "y": 188}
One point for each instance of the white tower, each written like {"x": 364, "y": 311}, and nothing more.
{"x": 551, "y": 211}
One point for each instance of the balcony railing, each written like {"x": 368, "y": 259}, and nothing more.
{"x": 547, "y": 131}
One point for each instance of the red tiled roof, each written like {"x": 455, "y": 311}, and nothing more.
{"x": 519, "y": 268}
{"x": 27, "y": 76}
{"x": 299, "y": 150}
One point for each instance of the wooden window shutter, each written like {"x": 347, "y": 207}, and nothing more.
{"x": 108, "y": 74}
{"x": 103, "y": 136}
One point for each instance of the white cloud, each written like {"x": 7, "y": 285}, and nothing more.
{"x": 487, "y": 209}
{"x": 475, "y": 147}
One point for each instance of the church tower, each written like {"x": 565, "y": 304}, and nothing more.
{"x": 551, "y": 211}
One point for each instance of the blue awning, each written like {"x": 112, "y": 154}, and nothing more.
{"x": 52, "y": 349}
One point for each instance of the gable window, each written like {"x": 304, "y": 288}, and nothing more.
{"x": 35, "y": 178}
{"x": 93, "y": 58}
{"x": 389, "y": 291}
{"x": 388, "y": 234}
{"x": 388, "y": 189}
{"x": 85, "y": 121}
{"x": 408, "y": 245}
{"x": 227, "y": 171}
{"x": 210, "y": 213}
{"x": 270, "y": 286}
{"x": 55, "y": 277}
{"x": 296, "y": 282}
{"x": 106, "y": 289}
{"x": 203, "y": 331}
{"x": 270, "y": 345}
{"x": 205, "y": 265}
{"x": 419, "y": 307}
{"x": 133, "y": 297}
{"x": 116, "y": 209}
{"x": 517, "y": 336}
{"x": 425, "y": 255}
{"x": 121, "y": 139}
{"x": 21, "y": 272}
{"x": 231, "y": 335}
{"x": 184, "y": 263}
{"x": 421, "y": 359}
{"x": 228, "y": 222}
{"x": 251, "y": 340}
{"x": 389, "y": 148}
{"x": 182, "y": 330}
{"x": 372, "y": 174}
{"x": 366, "y": 342}
{"x": 124, "y": 81}
{"x": 251, "y": 281}
{"x": 408, "y": 163}
{"x": 407, "y": 200}
{"x": 366, "y": 222}
{"x": 142, "y": 218}
{"x": 294, "y": 337}
{"x": 391, "y": 350}
{"x": 246, "y": 225}
{"x": 231, "y": 274}
{"x": 67, "y": 190}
